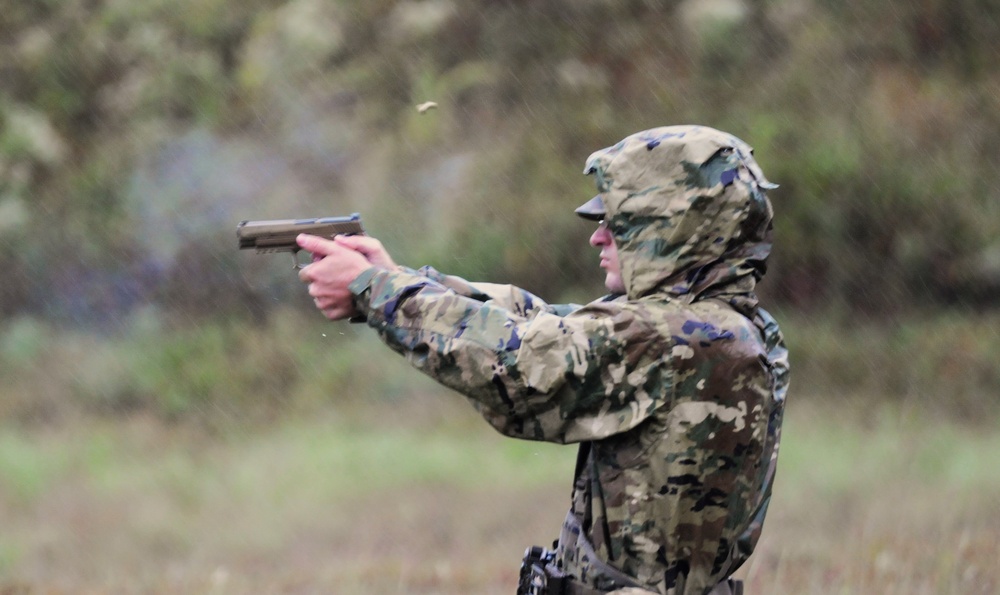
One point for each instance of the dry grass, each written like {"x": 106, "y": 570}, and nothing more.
{"x": 423, "y": 498}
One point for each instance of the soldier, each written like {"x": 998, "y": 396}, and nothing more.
{"x": 673, "y": 385}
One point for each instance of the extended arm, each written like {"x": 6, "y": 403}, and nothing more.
{"x": 545, "y": 377}
{"x": 510, "y": 297}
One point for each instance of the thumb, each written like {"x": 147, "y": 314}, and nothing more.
{"x": 370, "y": 247}
{"x": 316, "y": 245}
{"x": 363, "y": 244}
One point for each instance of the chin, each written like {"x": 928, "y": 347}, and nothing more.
{"x": 614, "y": 284}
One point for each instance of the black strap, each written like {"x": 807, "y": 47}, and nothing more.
{"x": 581, "y": 458}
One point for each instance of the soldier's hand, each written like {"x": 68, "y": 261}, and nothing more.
{"x": 333, "y": 268}
{"x": 373, "y": 250}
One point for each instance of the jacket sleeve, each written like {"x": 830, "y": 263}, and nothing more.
{"x": 540, "y": 377}
{"x": 510, "y": 297}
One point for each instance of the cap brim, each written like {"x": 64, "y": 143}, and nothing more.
{"x": 593, "y": 209}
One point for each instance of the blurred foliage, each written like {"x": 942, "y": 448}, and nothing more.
{"x": 135, "y": 135}
{"x": 879, "y": 123}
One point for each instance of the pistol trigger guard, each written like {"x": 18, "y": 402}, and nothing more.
{"x": 299, "y": 265}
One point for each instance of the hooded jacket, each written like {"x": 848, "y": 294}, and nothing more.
{"x": 675, "y": 390}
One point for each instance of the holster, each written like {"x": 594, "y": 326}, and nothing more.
{"x": 540, "y": 576}
{"x": 534, "y": 580}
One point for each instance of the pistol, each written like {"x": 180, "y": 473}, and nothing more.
{"x": 278, "y": 235}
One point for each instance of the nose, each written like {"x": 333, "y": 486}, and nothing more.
{"x": 601, "y": 236}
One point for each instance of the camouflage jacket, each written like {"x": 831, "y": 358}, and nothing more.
{"x": 676, "y": 389}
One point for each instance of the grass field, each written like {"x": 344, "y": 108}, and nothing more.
{"x": 421, "y": 497}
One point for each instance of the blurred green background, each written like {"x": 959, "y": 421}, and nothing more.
{"x": 145, "y": 360}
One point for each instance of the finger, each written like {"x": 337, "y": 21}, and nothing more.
{"x": 316, "y": 245}
{"x": 324, "y": 303}
{"x": 323, "y": 299}
{"x": 310, "y": 273}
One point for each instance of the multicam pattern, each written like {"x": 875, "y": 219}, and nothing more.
{"x": 676, "y": 388}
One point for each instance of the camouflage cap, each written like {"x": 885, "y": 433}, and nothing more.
{"x": 688, "y": 144}
{"x": 710, "y": 138}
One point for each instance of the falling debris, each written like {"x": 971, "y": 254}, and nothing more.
{"x": 427, "y": 105}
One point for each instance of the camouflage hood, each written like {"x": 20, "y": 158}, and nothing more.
{"x": 688, "y": 211}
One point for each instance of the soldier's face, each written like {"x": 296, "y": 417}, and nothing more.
{"x": 605, "y": 242}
